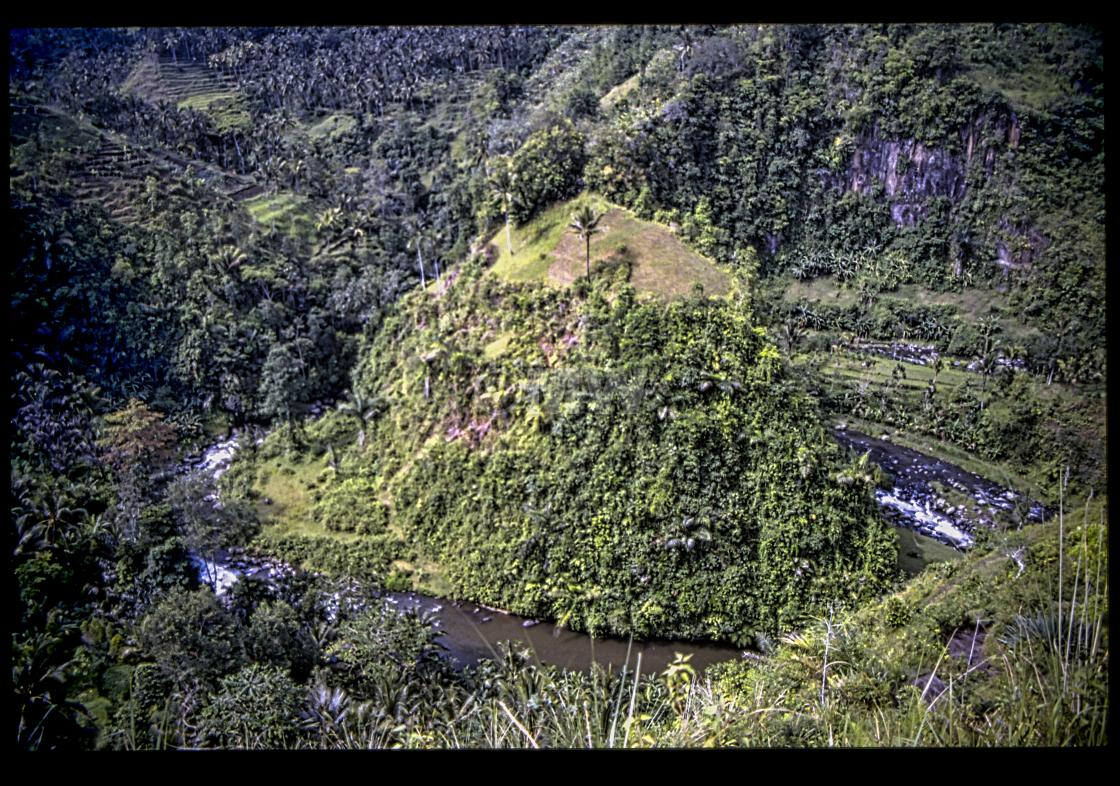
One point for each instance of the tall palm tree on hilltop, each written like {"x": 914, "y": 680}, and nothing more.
{"x": 505, "y": 188}
{"x": 586, "y": 223}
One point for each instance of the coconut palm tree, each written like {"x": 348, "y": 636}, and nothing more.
{"x": 419, "y": 234}
{"x": 505, "y": 188}
{"x": 988, "y": 327}
{"x": 938, "y": 365}
{"x": 586, "y": 223}
{"x": 44, "y": 518}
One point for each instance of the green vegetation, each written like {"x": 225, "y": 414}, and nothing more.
{"x": 1011, "y": 427}
{"x": 618, "y": 93}
{"x": 533, "y": 243}
{"x": 288, "y": 487}
{"x": 733, "y": 537}
{"x": 646, "y": 255}
{"x": 285, "y": 211}
{"x": 332, "y": 127}
{"x": 991, "y": 650}
{"x": 190, "y": 86}
{"x": 226, "y": 109}
{"x": 497, "y": 347}
{"x": 558, "y": 320}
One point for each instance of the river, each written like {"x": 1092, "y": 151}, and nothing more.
{"x": 470, "y": 632}
{"x": 913, "y": 501}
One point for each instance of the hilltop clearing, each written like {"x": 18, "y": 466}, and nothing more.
{"x": 646, "y": 254}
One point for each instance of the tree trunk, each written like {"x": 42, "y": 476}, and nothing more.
{"x": 588, "y": 256}
{"x": 509, "y": 242}
{"x": 420, "y": 262}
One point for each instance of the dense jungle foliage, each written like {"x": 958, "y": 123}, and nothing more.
{"x": 624, "y": 467}
{"x": 344, "y": 243}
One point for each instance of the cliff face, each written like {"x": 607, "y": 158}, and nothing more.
{"x": 912, "y": 173}
{"x": 909, "y": 172}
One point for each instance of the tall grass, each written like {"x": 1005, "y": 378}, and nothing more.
{"x": 1035, "y": 673}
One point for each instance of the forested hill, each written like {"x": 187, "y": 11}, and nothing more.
{"x": 625, "y": 279}
{"x": 274, "y": 177}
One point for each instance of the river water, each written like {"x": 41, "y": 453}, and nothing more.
{"x": 913, "y": 501}
{"x": 470, "y": 632}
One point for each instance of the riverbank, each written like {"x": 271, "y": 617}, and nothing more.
{"x": 468, "y": 632}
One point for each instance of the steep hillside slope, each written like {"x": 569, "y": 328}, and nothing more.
{"x": 964, "y": 156}
{"x": 1009, "y": 646}
{"x": 634, "y": 467}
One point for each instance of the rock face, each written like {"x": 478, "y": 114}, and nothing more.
{"x": 912, "y": 173}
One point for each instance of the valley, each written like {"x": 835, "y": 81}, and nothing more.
{"x": 558, "y": 386}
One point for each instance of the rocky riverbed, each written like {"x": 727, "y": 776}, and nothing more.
{"x": 919, "y": 485}
{"x": 925, "y": 355}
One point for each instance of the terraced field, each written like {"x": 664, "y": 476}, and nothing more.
{"x": 104, "y": 168}
{"x": 288, "y": 212}
{"x": 191, "y": 85}
{"x": 100, "y": 167}
{"x": 115, "y": 176}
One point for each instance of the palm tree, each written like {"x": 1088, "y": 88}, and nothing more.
{"x": 227, "y": 260}
{"x": 1064, "y": 329}
{"x": 418, "y": 234}
{"x": 505, "y": 187}
{"x": 296, "y": 167}
{"x": 938, "y": 365}
{"x": 329, "y": 219}
{"x": 684, "y": 47}
{"x": 44, "y": 518}
{"x": 435, "y": 238}
{"x": 988, "y": 327}
{"x": 586, "y": 223}
{"x": 988, "y": 364}
{"x": 791, "y": 335}
{"x": 363, "y": 409}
